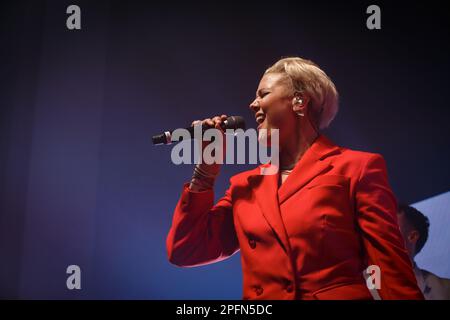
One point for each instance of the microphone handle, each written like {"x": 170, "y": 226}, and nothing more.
{"x": 166, "y": 137}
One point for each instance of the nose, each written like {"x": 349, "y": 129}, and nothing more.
{"x": 254, "y": 106}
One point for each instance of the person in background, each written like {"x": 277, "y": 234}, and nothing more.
{"x": 414, "y": 227}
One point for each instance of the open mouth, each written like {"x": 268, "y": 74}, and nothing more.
{"x": 260, "y": 118}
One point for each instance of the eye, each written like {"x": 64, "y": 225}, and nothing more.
{"x": 264, "y": 94}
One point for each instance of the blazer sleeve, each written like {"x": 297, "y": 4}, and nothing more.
{"x": 377, "y": 219}
{"x": 201, "y": 232}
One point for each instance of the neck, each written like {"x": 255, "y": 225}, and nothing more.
{"x": 294, "y": 148}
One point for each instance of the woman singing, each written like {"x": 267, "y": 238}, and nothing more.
{"x": 310, "y": 231}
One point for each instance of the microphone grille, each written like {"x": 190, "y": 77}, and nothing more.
{"x": 235, "y": 122}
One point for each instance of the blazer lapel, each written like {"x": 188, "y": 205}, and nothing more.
{"x": 265, "y": 189}
{"x": 311, "y": 164}
{"x": 269, "y": 197}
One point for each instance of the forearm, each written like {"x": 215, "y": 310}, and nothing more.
{"x": 201, "y": 232}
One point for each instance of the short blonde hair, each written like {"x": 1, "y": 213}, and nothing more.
{"x": 305, "y": 77}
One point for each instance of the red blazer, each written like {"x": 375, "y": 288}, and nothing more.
{"x": 311, "y": 238}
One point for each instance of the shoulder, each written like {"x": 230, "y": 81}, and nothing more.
{"x": 359, "y": 163}
{"x": 431, "y": 277}
{"x": 344, "y": 155}
{"x": 361, "y": 157}
{"x": 439, "y": 287}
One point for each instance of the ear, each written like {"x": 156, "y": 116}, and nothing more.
{"x": 413, "y": 237}
{"x": 299, "y": 103}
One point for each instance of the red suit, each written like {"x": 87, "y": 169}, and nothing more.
{"x": 310, "y": 238}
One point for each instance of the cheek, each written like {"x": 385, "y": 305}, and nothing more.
{"x": 278, "y": 114}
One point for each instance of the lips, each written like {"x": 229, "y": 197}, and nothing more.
{"x": 260, "y": 118}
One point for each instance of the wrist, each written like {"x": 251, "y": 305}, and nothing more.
{"x": 202, "y": 179}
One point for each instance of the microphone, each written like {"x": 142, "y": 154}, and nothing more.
{"x": 232, "y": 122}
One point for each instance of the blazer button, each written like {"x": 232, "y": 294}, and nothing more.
{"x": 252, "y": 243}
{"x": 259, "y": 290}
{"x": 289, "y": 287}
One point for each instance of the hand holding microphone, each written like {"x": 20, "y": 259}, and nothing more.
{"x": 224, "y": 123}
{"x": 205, "y": 174}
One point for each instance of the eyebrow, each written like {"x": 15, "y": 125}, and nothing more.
{"x": 259, "y": 91}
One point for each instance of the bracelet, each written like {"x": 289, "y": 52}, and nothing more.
{"x": 203, "y": 179}
{"x": 202, "y": 173}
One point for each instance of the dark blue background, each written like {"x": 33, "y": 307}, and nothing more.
{"x": 82, "y": 184}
